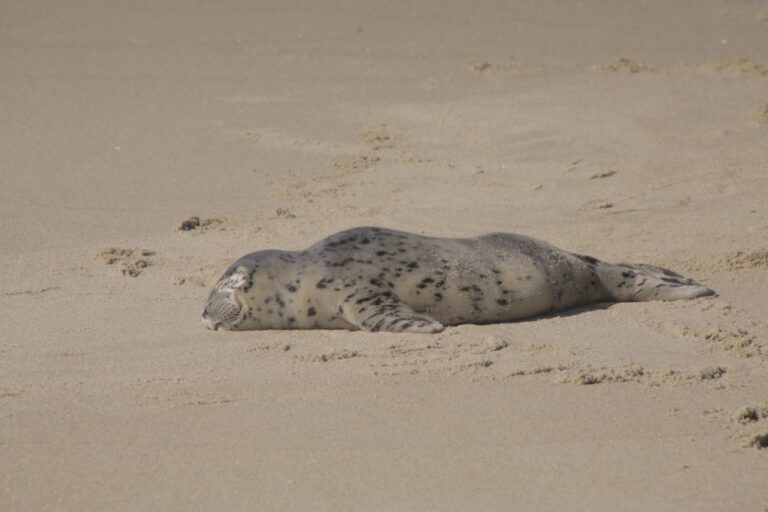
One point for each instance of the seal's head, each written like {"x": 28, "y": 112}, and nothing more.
{"x": 224, "y": 309}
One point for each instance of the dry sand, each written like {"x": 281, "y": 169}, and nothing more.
{"x": 627, "y": 130}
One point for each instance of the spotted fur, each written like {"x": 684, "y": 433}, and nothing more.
{"x": 378, "y": 279}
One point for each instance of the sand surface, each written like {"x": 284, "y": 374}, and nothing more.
{"x": 631, "y": 131}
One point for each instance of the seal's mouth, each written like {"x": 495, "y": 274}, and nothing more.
{"x": 221, "y": 313}
{"x": 209, "y": 323}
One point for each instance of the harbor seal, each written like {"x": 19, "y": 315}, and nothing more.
{"x": 377, "y": 279}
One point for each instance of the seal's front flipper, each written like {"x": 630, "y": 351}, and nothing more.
{"x": 374, "y": 310}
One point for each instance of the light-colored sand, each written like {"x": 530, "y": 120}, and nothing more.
{"x": 627, "y": 130}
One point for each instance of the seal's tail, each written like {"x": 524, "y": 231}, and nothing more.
{"x": 635, "y": 282}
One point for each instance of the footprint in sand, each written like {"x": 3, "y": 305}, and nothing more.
{"x": 747, "y": 260}
{"x": 749, "y": 414}
{"x": 199, "y": 225}
{"x": 735, "y": 67}
{"x": 625, "y": 65}
{"x": 600, "y": 175}
{"x": 378, "y": 138}
{"x": 130, "y": 262}
{"x": 483, "y": 66}
{"x": 737, "y": 343}
{"x": 355, "y": 163}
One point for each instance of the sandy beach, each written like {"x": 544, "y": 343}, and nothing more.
{"x": 630, "y": 131}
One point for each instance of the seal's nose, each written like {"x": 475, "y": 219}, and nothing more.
{"x": 210, "y": 323}
{"x": 207, "y": 320}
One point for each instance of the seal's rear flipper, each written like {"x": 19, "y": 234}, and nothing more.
{"x": 629, "y": 282}
{"x": 374, "y": 310}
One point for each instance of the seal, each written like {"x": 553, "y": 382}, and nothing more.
{"x": 377, "y": 279}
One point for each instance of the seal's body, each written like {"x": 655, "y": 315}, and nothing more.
{"x": 379, "y": 279}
